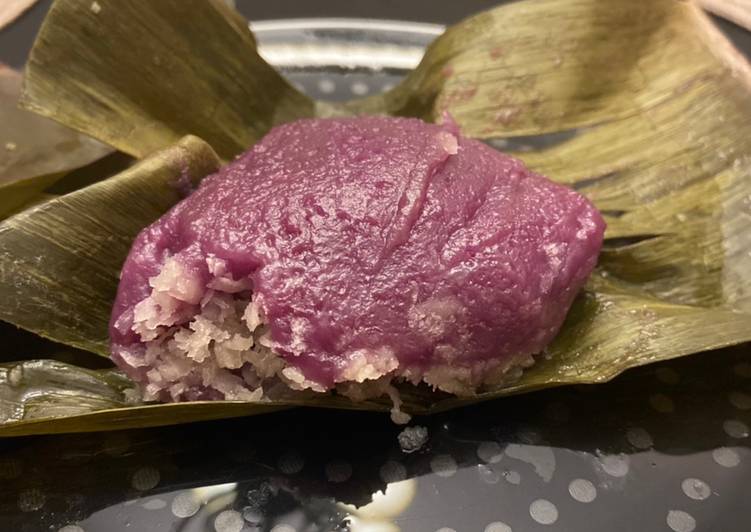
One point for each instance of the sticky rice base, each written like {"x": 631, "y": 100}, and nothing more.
{"x": 210, "y": 341}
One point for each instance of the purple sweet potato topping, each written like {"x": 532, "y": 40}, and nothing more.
{"x": 371, "y": 248}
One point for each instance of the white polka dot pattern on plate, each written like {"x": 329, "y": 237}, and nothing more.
{"x": 740, "y": 400}
{"x": 155, "y": 504}
{"x": 662, "y": 403}
{"x": 735, "y": 428}
{"x": 696, "y": 489}
{"x": 488, "y": 474}
{"x": 253, "y": 515}
{"x": 31, "y": 500}
{"x": 639, "y": 438}
{"x": 667, "y": 376}
{"x": 541, "y": 457}
{"x": 359, "y": 88}
{"x": 393, "y": 471}
{"x": 490, "y": 452}
{"x": 726, "y": 457}
{"x": 582, "y": 490}
{"x": 326, "y": 86}
{"x": 185, "y": 504}
{"x": 680, "y": 521}
{"x": 443, "y": 465}
{"x": 71, "y": 528}
{"x": 543, "y": 511}
{"x": 615, "y": 465}
{"x": 291, "y": 463}
{"x": 498, "y": 526}
{"x": 229, "y": 521}
{"x": 512, "y": 477}
{"x": 338, "y": 471}
{"x": 283, "y": 528}
{"x": 145, "y": 479}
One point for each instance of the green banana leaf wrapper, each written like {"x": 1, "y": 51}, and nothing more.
{"x": 36, "y": 153}
{"x": 652, "y": 107}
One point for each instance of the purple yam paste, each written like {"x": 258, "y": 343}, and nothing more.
{"x": 358, "y": 250}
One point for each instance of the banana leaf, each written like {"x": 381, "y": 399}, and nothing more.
{"x": 581, "y": 354}
{"x": 650, "y": 105}
{"x": 48, "y": 396}
{"x": 34, "y": 152}
{"x": 60, "y": 261}
{"x": 187, "y": 67}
